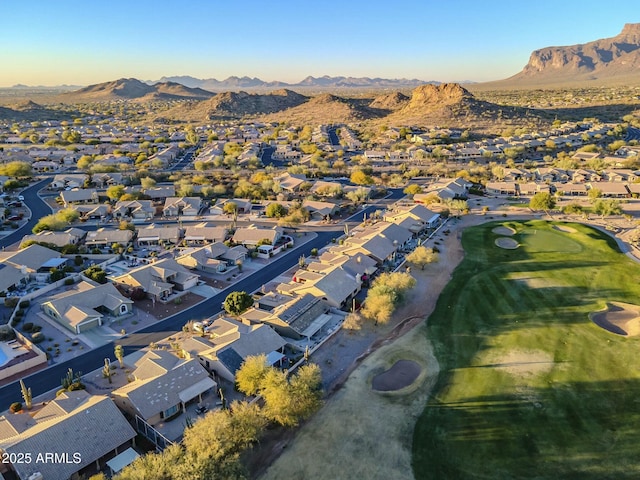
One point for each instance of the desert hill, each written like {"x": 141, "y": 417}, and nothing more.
{"x": 327, "y": 108}
{"x": 604, "y": 61}
{"x": 133, "y": 89}
{"x": 389, "y": 101}
{"x": 236, "y": 105}
{"x": 449, "y": 104}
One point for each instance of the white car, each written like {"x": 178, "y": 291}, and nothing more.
{"x": 21, "y": 198}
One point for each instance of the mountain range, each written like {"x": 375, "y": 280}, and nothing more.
{"x": 324, "y": 82}
{"x": 604, "y": 61}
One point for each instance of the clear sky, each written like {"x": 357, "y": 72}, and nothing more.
{"x": 80, "y": 42}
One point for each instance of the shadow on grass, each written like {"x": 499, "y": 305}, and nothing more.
{"x": 581, "y": 430}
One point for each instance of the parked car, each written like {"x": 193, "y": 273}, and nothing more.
{"x": 21, "y": 198}
{"x": 14, "y": 218}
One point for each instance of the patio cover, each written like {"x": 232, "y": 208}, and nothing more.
{"x": 120, "y": 461}
{"x": 196, "y": 389}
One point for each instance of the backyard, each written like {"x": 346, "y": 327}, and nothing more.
{"x": 529, "y": 386}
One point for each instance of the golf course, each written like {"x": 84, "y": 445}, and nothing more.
{"x": 530, "y": 384}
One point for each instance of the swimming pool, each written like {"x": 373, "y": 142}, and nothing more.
{"x": 3, "y": 357}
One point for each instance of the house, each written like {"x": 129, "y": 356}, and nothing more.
{"x": 501, "y": 188}
{"x": 397, "y": 235}
{"x": 88, "y": 195}
{"x": 379, "y": 249}
{"x": 160, "y": 280}
{"x": 252, "y": 235}
{"x": 531, "y": 188}
{"x": 165, "y": 157}
{"x": 227, "y": 344}
{"x": 416, "y": 218}
{"x": 163, "y": 384}
{"x": 160, "y": 193}
{"x": 187, "y": 206}
{"x": 106, "y": 237}
{"x": 320, "y": 210}
{"x": 61, "y": 181}
{"x": 92, "y": 211}
{"x": 243, "y": 205}
{"x": 84, "y": 306}
{"x": 610, "y": 189}
{"x": 204, "y": 233}
{"x": 290, "y": 182}
{"x": 355, "y": 265}
{"x": 137, "y": 210}
{"x": 213, "y": 258}
{"x": 33, "y": 262}
{"x": 297, "y": 317}
{"x": 71, "y": 236}
{"x": 159, "y": 234}
{"x": 103, "y": 180}
{"x": 571, "y": 189}
{"x": 336, "y": 287}
{"x": 78, "y": 428}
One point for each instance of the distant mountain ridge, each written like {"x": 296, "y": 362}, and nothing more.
{"x": 133, "y": 89}
{"x": 326, "y": 81}
{"x": 615, "y": 58}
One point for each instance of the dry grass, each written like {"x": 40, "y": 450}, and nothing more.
{"x": 345, "y": 440}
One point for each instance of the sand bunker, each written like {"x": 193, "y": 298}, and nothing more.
{"x": 564, "y": 229}
{"x": 619, "y": 318}
{"x": 523, "y": 363}
{"x": 402, "y": 374}
{"x": 504, "y": 231}
{"x": 506, "y": 242}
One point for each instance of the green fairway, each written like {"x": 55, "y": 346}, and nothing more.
{"x": 529, "y": 386}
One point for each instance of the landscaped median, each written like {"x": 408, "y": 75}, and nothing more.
{"x": 529, "y": 385}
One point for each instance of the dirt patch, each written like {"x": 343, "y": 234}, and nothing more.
{"x": 619, "y": 318}
{"x": 504, "y": 231}
{"x": 507, "y": 243}
{"x": 522, "y": 363}
{"x": 564, "y": 229}
{"x": 402, "y": 374}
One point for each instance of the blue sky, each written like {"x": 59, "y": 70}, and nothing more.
{"x": 78, "y": 42}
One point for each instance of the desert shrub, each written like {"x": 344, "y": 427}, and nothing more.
{"x": 36, "y": 328}
{"x": 15, "y": 407}
{"x": 68, "y": 281}
{"x": 11, "y": 302}
{"x": 24, "y": 304}
{"x": 37, "y": 337}
{"x": 27, "y": 326}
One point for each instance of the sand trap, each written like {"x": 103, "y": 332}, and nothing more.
{"x": 564, "y": 229}
{"x": 504, "y": 231}
{"x": 619, "y": 318}
{"x": 523, "y": 363}
{"x": 506, "y": 242}
{"x": 402, "y": 374}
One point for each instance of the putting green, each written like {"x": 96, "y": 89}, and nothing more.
{"x": 529, "y": 386}
{"x": 538, "y": 241}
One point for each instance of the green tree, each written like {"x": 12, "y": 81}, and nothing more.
{"x": 275, "y": 210}
{"x": 250, "y": 375}
{"x": 118, "y": 351}
{"x": 16, "y": 169}
{"x": 422, "y": 256}
{"x": 96, "y": 273}
{"x": 237, "y": 302}
{"x": 542, "y": 201}
{"x": 386, "y": 292}
{"x": 359, "y": 177}
{"x": 147, "y": 183}
{"x": 412, "y": 189}
{"x": 114, "y": 192}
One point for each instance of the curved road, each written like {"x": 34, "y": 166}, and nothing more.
{"x": 49, "y": 379}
